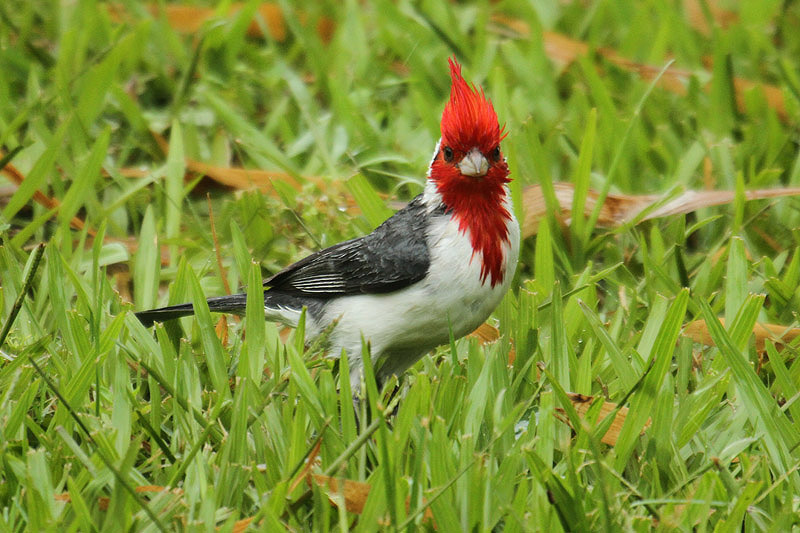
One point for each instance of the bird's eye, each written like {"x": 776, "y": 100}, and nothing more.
{"x": 496, "y": 153}
{"x": 448, "y": 154}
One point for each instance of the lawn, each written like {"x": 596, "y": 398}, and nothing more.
{"x": 642, "y": 373}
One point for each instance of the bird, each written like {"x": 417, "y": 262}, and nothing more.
{"x": 438, "y": 266}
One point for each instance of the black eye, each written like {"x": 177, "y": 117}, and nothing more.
{"x": 448, "y": 154}
{"x": 496, "y": 153}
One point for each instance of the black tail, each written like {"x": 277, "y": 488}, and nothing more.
{"x": 235, "y": 303}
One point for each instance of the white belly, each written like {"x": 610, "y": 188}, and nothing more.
{"x": 404, "y": 325}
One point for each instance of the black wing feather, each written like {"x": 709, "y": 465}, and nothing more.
{"x": 390, "y": 258}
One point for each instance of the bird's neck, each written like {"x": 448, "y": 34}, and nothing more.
{"x": 480, "y": 208}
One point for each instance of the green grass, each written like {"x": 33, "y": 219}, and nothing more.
{"x": 93, "y": 405}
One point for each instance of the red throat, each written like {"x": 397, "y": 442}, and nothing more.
{"x": 477, "y": 203}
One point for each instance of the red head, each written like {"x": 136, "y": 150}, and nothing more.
{"x": 470, "y": 172}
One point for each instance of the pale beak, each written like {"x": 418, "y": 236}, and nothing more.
{"x": 474, "y": 164}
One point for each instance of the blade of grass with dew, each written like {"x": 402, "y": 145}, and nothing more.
{"x": 622, "y": 367}
{"x": 261, "y": 148}
{"x": 173, "y": 187}
{"x": 559, "y": 364}
{"x": 735, "y": 279}
{"x": 377, "y": 409}
{"x": 35, "y": 179}
{"x": 82, "y": 187}
{"x": 214, "y": 352}
{"x": 778, "y": 436}
{"x": 622, "y": 147}
{"x": 305, "y": 384}
{"x": 101, "y": 448}
{"x": 660, "y": 353}
{"x": 783, "y": 382}
{"x": 581, "y": 178}
{"x": 371, "y": 204}
{"x": 31, "y": 267}
{"x": 146, "y": 263}
{"x": 544, "y": 265}
{"x": 251, "y": 364}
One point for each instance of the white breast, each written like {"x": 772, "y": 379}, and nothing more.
{"x": 404, "y": 325}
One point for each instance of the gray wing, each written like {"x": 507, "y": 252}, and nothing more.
{"x": 393, "y": 256}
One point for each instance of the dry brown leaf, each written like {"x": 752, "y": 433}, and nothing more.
{"x": 156, "y": 488}
{"x": 427, "y": 515}
{"x": 614, "y": 212}
{"x": 778, "y": 334}
{"x": 240, "y": 526}
{"x": 561, "y": 49}
{"x": 131, "y": 172}
{"x": 50, "y": 203}
{"x": 215, "y": 240}
{"x": 242, "y": 178}
{"x": 698, "y": 332}
{"x": 221, "y": 330}
{"x": 355, "y": 492}
{"x": 238, "y": 178}
{"x": 620, "y": 208}
{"x": 693, "y": 200}
{"x": 103, "y": 501}
{"x": 305, "y": 472}
{"x": 772, "y": 94}
{"x": 233, "y": 177}
{"x": 486, "y": 334}
{"x": 132, "y": 244}
{"x": 6, "y": 192}
{"x": 189, "y": 19}
{"x": 581, "y": 402}
{"x": 122, "y": 283}
{"x": 697, "y": 19}
{"x": 251, "y": 179}
{"x": 675, "y": 80}
{"x": 564, "y": 50}
{"x": 709, "y": 178}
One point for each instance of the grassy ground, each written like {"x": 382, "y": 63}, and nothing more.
{"x": 98, "y": 416}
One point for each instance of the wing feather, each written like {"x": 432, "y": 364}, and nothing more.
{"x": 390, "y": 258}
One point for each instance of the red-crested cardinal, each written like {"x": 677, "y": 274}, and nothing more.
{"x": 441, "y": 264}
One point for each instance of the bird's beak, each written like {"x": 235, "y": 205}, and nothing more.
{"x": 474, "y": 164}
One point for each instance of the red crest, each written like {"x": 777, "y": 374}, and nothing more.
{"x": 469, "y": 118}
{"x": 477, "y": 203}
